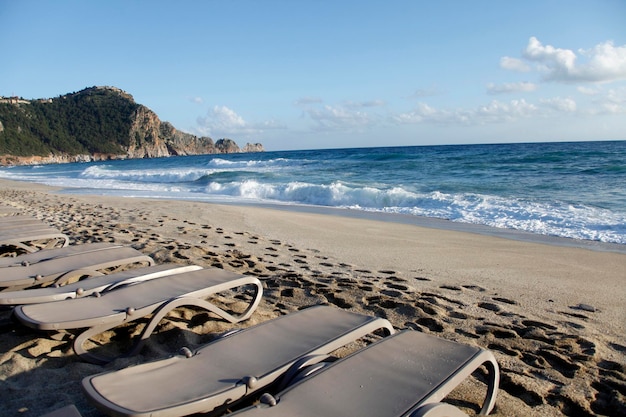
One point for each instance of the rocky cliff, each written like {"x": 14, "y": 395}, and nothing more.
{"x": 97, "y": 123}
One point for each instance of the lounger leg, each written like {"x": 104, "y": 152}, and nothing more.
{"x": 492, "y": 384}
{"x": 69, "y": 276}
{"x": 483, "y": 357}
{"x": 438, "y": 410}
{"x": 25, "y": 248}
{"x": 188, "y": 302}
{"x": 53, "y": 243}
{"x": 80, "y": 340}
{"x": 159, "y": 314}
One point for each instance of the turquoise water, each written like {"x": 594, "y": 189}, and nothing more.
{"x": 575, "y": 190}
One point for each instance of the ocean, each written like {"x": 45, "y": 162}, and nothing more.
{"x": 571, "y": 190}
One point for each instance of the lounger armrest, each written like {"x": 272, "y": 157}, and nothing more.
{"x": 492, "y": 384}
{"x": 293, "y": 374}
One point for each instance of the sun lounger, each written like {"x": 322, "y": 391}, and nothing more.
{"x": 32, "y": 238}
{"x": 87, "y": 287}
{"x": 230, "y": 368}
{"x": 67, "y": 269}
{"x": 155, "y": 298}
{"x": 45, "y": 255}
{"x": 407, "y": 374}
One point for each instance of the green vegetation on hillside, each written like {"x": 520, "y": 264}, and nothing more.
{"x": 94, "y": 120}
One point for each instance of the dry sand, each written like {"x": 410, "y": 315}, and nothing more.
{"x": 553, "y": 315}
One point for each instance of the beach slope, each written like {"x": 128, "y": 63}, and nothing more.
{"x": 553, "y": 315}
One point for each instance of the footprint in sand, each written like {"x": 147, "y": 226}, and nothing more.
{"x": 431, "y": 324}
{"x": 559, "y": 362}
{"x": 534, "y": 323}
{"x": 450, "y": 287}
{"x": 475, "y": 288}
{"x": 339, "y": 302}
{"x": 505, "y": 300}
{"x": 397, "y": 286}
{"x": 490, "y": 306}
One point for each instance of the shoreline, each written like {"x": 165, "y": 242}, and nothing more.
{"x": 408, "y": 219}
{"x": 444, "y": 224}
{"x": 552, "y": 314}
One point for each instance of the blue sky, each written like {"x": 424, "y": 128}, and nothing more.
{"x": 326, "y": 74}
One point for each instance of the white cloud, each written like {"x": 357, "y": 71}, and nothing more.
{"x": 339, "y": 118}
{"x": 510, "y": 88}
{"x": 514, "y": 64}
{"x": 197, "y": 100}
{"x": 588, "y": 91}
{"x": 560, "y": 104}
{"x": 494, "y": 112}
{"x": 616, "y": 95}
{"x": 613, "y": 102}
{"x": 602, "y": 63}
{"x": 222, "y": 121}
{"x": 556, "y": 59}
{"x": 422, "y": 113}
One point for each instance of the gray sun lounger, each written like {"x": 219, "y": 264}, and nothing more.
{"x": 87, "y": 287}
{"x": 155, "y": 298}
{"x": 32, "y": 238}
{"x": 67, "y": 269}
{"x": 45, "y": 255}
{"x": 405, "y": 375}
{"x": 230, "y": 368}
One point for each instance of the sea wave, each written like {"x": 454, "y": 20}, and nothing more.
{"x": 568, "y": 190}
{"x": 175, "y": 175}
{"x": 543, "y": 217}
{"x": 254, "y": 163}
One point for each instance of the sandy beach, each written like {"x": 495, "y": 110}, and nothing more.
{"x": 553, "y": 315}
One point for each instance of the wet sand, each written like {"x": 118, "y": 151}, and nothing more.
{"x": 553, "y": 315}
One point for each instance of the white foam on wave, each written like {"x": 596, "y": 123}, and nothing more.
{"x": 146, "y": 175}
{"x": 234, "y": 164}
{"x": 542, "y": 216}
{"x": 548, "y": 218}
